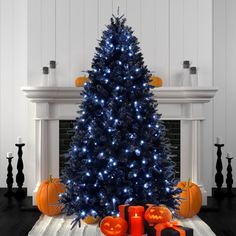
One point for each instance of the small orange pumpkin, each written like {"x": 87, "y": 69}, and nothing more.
{"x": 79, "y": 81}
{"x": 47, "y": 196}
{"x": 91, "y": 220}
{"x": 191, "y": 199}
{"x": 113, "y": 226}
{"x": 157, "y": 214}
{"x": 156, "y": 81}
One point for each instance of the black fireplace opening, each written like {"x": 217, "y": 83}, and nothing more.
{"x": 66, "y": 133}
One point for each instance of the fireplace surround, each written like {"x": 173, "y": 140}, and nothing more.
{"x": 184, "y": 104}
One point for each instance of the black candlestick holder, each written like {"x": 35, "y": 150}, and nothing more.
{"x": 229, "y": 178}
{"x": 9, "y": 179}
{"x": 219, "y": 178}
{"x": 20, "y": 178}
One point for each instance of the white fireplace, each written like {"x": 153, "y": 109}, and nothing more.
{"x": 175, "y": 103}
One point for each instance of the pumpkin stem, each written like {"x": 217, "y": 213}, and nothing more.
{"x": 50, "y": 179}
{"x": 188, "y": 183}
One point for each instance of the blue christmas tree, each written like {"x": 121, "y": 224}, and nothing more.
{"x": 119, "y": 152}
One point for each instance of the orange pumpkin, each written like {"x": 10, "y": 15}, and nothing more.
{"x": 191, "y": 199}
{"x": 91, "y": 220}
{"x": 157, "y": 214}
{"x": 79, "y": 81}
{"x": 113, "y": 226}
{"x": 156, "y": 81}
{"x": 47, "y": 196}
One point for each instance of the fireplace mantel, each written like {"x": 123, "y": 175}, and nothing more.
{"x": 163, "y": 94}
{"x": 186, "y": 104}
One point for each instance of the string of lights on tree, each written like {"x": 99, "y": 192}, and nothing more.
{"x": 119, "y": 153}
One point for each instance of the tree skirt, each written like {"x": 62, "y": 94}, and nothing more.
{"x": 61, "y": 226}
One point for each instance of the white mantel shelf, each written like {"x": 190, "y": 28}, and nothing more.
{"x": 167, "y": 95}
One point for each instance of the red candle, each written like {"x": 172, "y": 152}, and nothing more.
{"x": 136, "y": 223}
{"x": 139, "y": 210}
{"x": 136, "y": 211}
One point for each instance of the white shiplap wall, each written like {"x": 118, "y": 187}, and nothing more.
{"x": 13, "y": 75}
{"x": 224, "y": 77}
{"x": 169, "y": 32}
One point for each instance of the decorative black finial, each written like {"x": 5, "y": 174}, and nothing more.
{"x": 219, "y": 178}
{"x": 20, "y": 178}
{"x": 229, "y": 178}
{"x": 9, "y": 179}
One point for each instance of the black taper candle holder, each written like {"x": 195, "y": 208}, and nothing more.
{"x": 219, "y": 178}
{"x": 9, "y": 179}
{"x": 229, "y": 178}
{"x": 20, "y": 178}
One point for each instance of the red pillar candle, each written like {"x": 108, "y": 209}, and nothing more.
{"x": 136, "y": 223}
{"x": 133, "y": 210}
{"x": 136, "y": 211}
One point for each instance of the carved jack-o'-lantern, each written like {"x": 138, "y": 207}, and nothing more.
{"x": 157, "y": 214}
{"x": 113, "y": 226}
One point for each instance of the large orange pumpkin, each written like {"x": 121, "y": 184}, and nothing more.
{"x": 191, "y": 199}
{"x": 47, "y": 196}
{"x": 156, "y": 81}
{"x": 79, "y": 81}
{"x": 157, "y": 214}
{"x": 113, "y": 226}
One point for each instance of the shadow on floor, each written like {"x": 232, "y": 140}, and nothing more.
{"x": 220, "y": 215}
{"x": 16, "y": 216}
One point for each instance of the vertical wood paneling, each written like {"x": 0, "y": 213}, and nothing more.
{"x": 34, "y": 42}
{"x": 1, "y": 161}
{"x": 48, "y": 30}
{"x": 230, "y": 78}
{"x": 176, "y": 41}
{"x": 13, "y": 75}
{"x": 224, "y": 76}
{"x": 148, "y": 33}
{"x": 19, "y": 108}
{"x": 105, "y": 13}
{"x": 121, "y": 4}
{"x": 205, "y": 58}
{"x": 77, "y": 50}
{"x": 151, "y": 27}
{"x": 133, "y": 16}
{"x": 205, "y": 54}
{"x": 91, "y": 31}
{"x": 6, "y": 93}
{"x": 161, "y": 40}
{"x": 1, "y": 56}
{"x": 34, "y": 68}
{"x": 63, "y": 42}
{"x": 220, "y": 79}
{"x": 190, "y": 31}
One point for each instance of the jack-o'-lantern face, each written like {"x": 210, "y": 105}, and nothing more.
{"x": 157, "y": 214}
{"x": 113, "y": 226}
